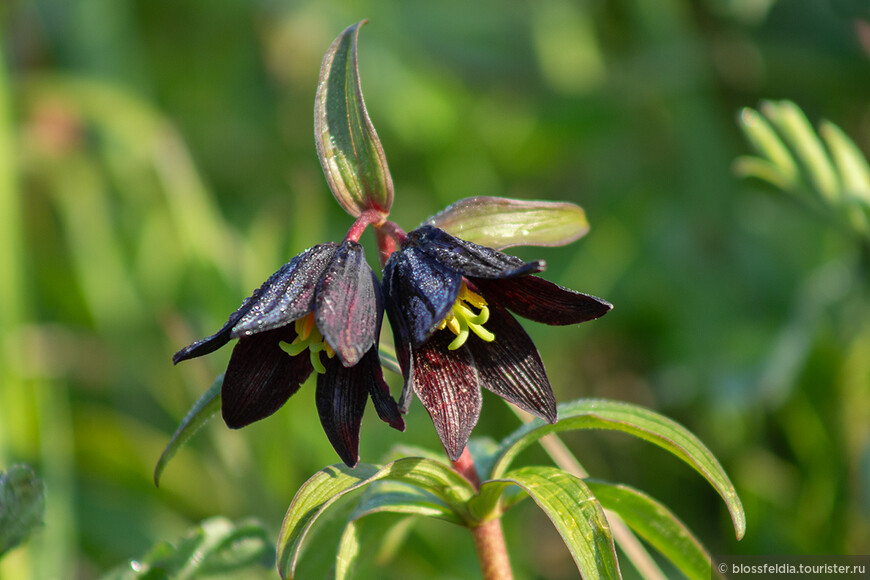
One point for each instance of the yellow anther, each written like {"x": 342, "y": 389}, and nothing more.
{"x": 308, "y": 338}
{"x": 461, "y": 319}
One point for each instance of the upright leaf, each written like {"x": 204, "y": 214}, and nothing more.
{"x": 348, "y": 147}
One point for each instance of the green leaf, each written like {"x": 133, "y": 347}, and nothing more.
{"x": 768, "y": 144}
{"x": 348, "y": 147}
{"x": 332, "y": 483}
{"x": 500, "y": 222}
{"x": 798, "y": 133}
{"x": 851, "y": 164}
{"x": 387, "y": 497}
{"x": 22, "y": 505}
{"x": 203, "y": 410}
{"x": 637, "y": 421}
{"x": 573, "y": 509}
{"x": 656, "y": 524}
{"x": 216, "y": 546}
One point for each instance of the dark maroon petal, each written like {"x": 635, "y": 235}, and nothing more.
{"x": 421, "y": 290}
{"x": 542, "y": 301}
{"x": 221, "y": 337}
{"x": 382, "y": 399}
{"x": 348, "y": 304}
{"x": 261, "y": 377}
{"x": 447, "y": 384}
{"x": 511, "y": 367}
{"x": 401, "y": 337}
{"x": 467, "y": 258}
{"x": 288, "y": 294}
{"x": 341, "y": 400}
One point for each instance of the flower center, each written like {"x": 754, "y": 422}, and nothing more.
{"x": 308, "y": 337}
{"x": 461, "y": 319}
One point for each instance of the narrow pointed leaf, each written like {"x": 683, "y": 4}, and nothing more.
{"x": 203, "y": 410}
{"x": 332, "y": 483}
{"x": 656, "y": 524}
{"x": 850, "y": 161}
{"x": 500, "y": 222}
{"x": 576, "y": 514}
{"x": 768, "y": 144}
{"x": 798, "y": 133}
{"x": 22, "y": 505}
{"x": 348, "y": 147}
{"x": 636, "y": 421}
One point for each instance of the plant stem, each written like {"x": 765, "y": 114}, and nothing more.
{"x": 488, "y": 536}
{"x": 492, "y": 551}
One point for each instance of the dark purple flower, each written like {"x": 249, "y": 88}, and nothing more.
{"x": 326, "y": 301}
{"x": 440, "y": 291}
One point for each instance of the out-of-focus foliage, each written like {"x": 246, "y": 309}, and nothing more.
{"x": 157, "y": 163}
{"x": 22, "y": 505}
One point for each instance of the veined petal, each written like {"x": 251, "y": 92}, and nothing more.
{"x": 467, "y": 258}
{"x": 447, "y": 384}
{"x": 511, "y": 367}
{"x": 261, "y": 377}
{"x": 348, "y": 307}
{"x": 288, "y": 294}
{"x": 542, "y": 301}
{"x": 211, "y": 343}
{"x": 422, "y": 291}
{"x": 341, "y": 400}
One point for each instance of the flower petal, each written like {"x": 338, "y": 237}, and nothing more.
{"x": 469, "y": 259}
{"x": 542, "y": 301}
{"x": 511, "y": 367}
{"x": 288, "y": 294}
{"x": 382, "y": 399}
{"x": 221, "y": 337}
{"x": 348, "y": 306}
{"x": 421, "y": 290}
{"x": 341, "y": 400}
{"x": 448, "y": 385}
{"x": 261, "y": 377}
{"x": 401, "y": 336}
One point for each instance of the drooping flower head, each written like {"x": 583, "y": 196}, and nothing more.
{"x": 448, "y": 300}
{"x": 321, "y": 312}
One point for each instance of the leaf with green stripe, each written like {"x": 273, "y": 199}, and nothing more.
{"x": 348, "y": 147}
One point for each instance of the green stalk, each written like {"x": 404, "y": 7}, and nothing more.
{"x": 488, "y": 536}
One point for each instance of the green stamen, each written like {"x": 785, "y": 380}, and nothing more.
{"x": 461, "y": 319}
{"x": 308, "y": 337}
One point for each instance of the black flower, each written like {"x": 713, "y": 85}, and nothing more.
{"x": 327, "y": 301}
{"x": 439, "y": 291}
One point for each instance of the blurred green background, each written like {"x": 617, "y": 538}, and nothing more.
{"x": 157, "y": 163}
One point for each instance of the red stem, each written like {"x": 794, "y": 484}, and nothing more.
{"x": 365, "y": 219}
